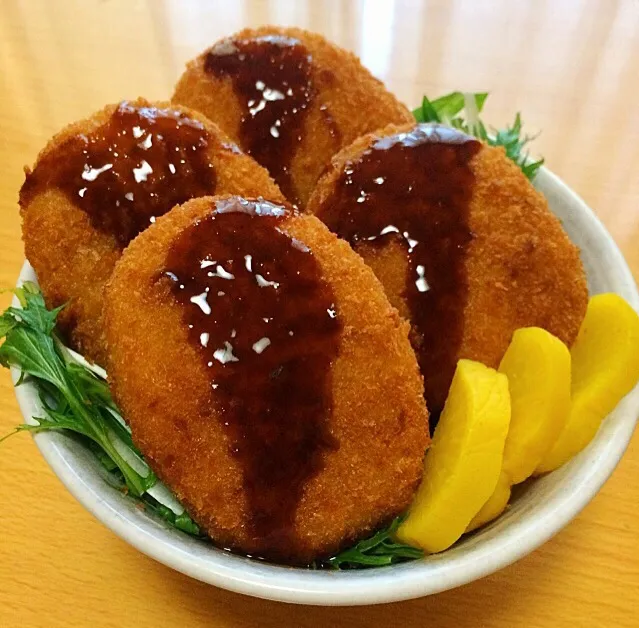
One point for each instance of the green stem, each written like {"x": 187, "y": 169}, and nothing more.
{"x": 133, "y": 479}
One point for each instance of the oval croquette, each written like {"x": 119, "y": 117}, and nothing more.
{"x": 335, "y": 421}
{"x": 289, "y": 98}
{"x": 100, "y": 181}
{"x": 466, "y": 248}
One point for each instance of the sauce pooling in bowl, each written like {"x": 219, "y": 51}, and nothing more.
{"x": 266, "y": 327}
{"x": 127, "y": 172}
{"x": 414, "y": 189}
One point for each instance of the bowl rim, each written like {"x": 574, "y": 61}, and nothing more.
{"x": 374, "y": 586}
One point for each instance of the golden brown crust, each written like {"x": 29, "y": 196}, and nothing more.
{"x": 73, "y": 260}
{"x": 522, "y": 268}
{"x": 379, "y": 417}
{"x": 356, "y": 101}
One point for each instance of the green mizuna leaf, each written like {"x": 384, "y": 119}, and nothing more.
{"x": 376, "y": 551}
{"x": 73, "y": 399}
{"x": 426, "y": 112}
{"x": 76, "y": 400}
{"x": 450, "y": 105}
{"x": 33, "y": 352}
{"x": 7, "y": 323}
{"x": 181, "y": 522}
{"x": 513, "y": 142}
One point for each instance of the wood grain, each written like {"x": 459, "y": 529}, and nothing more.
{"x": 572, "y": 68}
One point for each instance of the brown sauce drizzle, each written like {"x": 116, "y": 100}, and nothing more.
{"x": 265, "y": 325}
{"x": 415, "y": 188}
{"x": 272, "y": 77}
{"x": 130, "y": 170}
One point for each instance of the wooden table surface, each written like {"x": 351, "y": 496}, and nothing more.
{"x": 571, "y": 67}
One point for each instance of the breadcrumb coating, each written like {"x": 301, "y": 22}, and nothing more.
{"x": 379, "y": 418}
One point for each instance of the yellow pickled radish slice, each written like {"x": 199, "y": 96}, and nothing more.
{"x": 464, "y": 461}
{"x": 605, "y": 367}
{"x": 538, "y": 369}
{"x": 495, "y": 505}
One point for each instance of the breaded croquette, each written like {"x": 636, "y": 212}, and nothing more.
{"x": 101, "y": 181}
{"x": 466, "y": 248}
{"x": 253, "y": 354}
{"x": 290, "y": 99}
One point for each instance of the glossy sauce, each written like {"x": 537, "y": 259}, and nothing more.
{"x": 265, "y": 325}
{"x": 272, "y": 78}
{"x": 130, "y": 170}
{"x": 415, "y": 188}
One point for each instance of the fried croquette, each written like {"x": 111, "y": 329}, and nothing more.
{"x": 266, "y": 378}
{"x": 290, "y": 99}
{"x": 100, "y": 181}
{"x": 466, "y": 248}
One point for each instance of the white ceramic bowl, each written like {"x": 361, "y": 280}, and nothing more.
{"x": 544, "y": 507}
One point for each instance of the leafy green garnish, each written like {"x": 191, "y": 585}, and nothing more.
{"x": 74, "y": 399}
{"x": 445, "y": 109}
{"x": 510, "y": 138}
{"x": 71, "y": 395}
{"x": 461, "y": 111}
{"x": 181, "y": 522}
{"x": 376, "y": 551}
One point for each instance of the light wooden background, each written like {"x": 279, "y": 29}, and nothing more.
{"x": 571, "y": 67}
